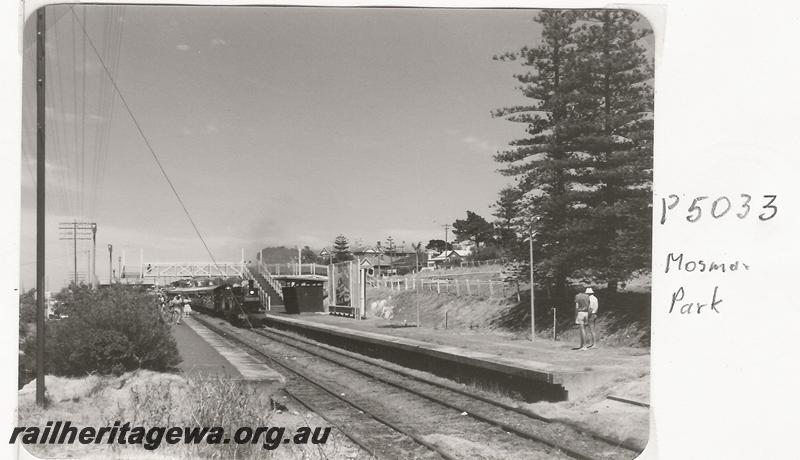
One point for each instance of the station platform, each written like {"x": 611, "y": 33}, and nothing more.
{"x": 206, "y": 354}
{"x": 566, "y": 374}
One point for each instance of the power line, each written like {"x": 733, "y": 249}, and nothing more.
{"x": 144, "y": 138}
{"x": 151, "y": 150}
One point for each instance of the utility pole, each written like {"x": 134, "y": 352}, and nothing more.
{"x": 530, "y": 240}
{"x": 94, "y": 257}
{"x": 446, "y": 227}
{"x": 75, "y": 252}
{"x": 110, "y": 264}
{"x": 40, "y": 189}
{"x": 78, "y": 231}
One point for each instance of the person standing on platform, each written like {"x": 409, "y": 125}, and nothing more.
{"x": 177, "y": 307}
{"x": 593, "y": 305}
{"x": 582, "y": 316}
{"x": 187, "y": 307}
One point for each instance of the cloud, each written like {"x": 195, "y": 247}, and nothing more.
{"x": 480, "y": 145}
{"x": 218, "y": 42}
{"x": 183, "y": 47}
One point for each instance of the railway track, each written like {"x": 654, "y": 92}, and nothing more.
{"x": 512, "y": 427}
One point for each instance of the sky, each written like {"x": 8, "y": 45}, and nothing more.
{"x": 276, "y": 126}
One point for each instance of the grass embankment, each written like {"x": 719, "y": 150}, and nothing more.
{"x": 624, "y": 318}
{"x": 152, "y": 399}
{"x": 624, "y": 322}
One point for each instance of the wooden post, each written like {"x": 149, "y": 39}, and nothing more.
{"x": 554, "y": 323}
{"x": 438, "y": 287}
{"x": 533, "y": 323}
{"x": 40, "y": 204}
{"x": 457, "y": 291}
{"x": 468, "y": 290}
{"x": 491, "y": 289}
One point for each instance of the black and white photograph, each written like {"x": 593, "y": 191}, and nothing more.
{"x": 306, "y": 232}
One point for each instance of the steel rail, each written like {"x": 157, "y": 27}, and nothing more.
{"x": 382, "y": 420}
{"x": 398, "y": 370}
{"x": 575, "y": 453}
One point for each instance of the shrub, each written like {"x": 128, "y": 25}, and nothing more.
{"x": 108, "y": 331}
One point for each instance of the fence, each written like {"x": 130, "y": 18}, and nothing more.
{"x": 292, "y": 269}
{"x": 478, "y": 263}
{"x": 466, "y": 287}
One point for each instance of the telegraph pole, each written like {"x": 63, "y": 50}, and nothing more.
{"x": 78, "y": 231}
{"x": 40, "y": 189}
{"x": 110, "y": 264}
{"x": 446, "y": 227}
{"x": 75, "y": 252}
{"x": 93, "y": 274}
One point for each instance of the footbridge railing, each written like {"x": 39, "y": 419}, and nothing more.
{"x": 164, "y": 270}
{"x": 264, "y": 272}
{"x": 262, "y": 293}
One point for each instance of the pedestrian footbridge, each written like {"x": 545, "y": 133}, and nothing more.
{"x": 166, "y": 272}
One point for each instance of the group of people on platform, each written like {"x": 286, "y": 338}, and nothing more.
{"x": 586, "y": 306}
{"x": 176, "y": 308}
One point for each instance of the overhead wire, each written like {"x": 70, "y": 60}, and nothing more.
{"x": 152, "y": 152}
{"x": 148, "y": 145}
{"x": 83, "y": 121}
{"x": 62, "y": 188}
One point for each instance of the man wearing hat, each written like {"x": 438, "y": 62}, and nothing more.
{"x": 582, "y": 302}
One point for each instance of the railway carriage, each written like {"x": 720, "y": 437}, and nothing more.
{"x": 237, "y": 302}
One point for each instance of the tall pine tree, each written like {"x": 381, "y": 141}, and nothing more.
{"x": 506, "y": 211}
{"x": 585, "y": 165}
{"x": 542, "y": 160}
{"x": 616, "y": 143}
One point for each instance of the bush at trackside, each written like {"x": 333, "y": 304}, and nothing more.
{"x": 107, "y": 331}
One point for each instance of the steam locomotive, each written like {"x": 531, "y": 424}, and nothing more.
{"x": 238, "y": 302}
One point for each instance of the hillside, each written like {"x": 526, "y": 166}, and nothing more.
{"x": 624, "y": 318}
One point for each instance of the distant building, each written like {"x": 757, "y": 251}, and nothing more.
{"x": 451, "y": 257}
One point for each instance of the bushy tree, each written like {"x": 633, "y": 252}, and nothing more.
{"x": 309, "y": 256}
{"x": 108, "y": 331}
{"x": 438, "y": 245}
{"x": 507, "y": 215}
{"x": 27, "y": 310}
{"x": 474, "y": 228}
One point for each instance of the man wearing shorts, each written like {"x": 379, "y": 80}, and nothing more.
{"x": 593, "y": 306}
{"x": 582, "y": 316}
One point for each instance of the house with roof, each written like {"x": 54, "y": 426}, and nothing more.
{"x": 450, "y": 257}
